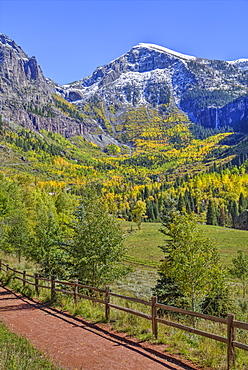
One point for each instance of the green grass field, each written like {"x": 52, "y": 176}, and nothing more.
{"x": 143, "y": 245}
{"x": 228, "y": 241}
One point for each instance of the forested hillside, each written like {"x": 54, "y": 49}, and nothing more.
{"x": 200, "y": 168}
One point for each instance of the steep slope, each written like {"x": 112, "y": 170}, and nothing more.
{"x": 28, "y": 99}
{"x": 212, "y": 93}
{"x": 25, "y": 95}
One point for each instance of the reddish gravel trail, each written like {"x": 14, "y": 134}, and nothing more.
{"x": 74, "y": 343}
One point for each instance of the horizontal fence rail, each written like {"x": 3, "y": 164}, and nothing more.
{"x": 193, "y": 330}
{"x": 192, "y": 313}
{"x": 104, "y": 296}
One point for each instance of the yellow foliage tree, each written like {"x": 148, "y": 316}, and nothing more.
{"x": 138, "y": 212}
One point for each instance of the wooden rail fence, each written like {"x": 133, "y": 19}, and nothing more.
{"x": 105, "y": 298}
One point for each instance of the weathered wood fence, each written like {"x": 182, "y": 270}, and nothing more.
{"x": 105, "y": 298}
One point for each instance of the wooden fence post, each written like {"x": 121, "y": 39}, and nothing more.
{"x": 7, "y": 268}
{"x": 36, "y": 282}
{"x": 154, "y": 316}
{"x": 75, "y": 290}
{"x": 24, "y": 278}
{"x": 0, "y": 265}
{"x": 107, "y": 307}
{"x": 52, "y": 288}
{"x": 230, "y": 339}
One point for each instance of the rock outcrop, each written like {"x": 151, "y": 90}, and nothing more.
{"x": 26, "y": 97}
{"x": 241, "y": 221}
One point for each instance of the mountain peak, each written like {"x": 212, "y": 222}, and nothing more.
{"x": 5, "y": 41}
{"x": 165, "y": 50}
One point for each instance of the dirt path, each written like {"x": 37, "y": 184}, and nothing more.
{"x": 74, "y": 343}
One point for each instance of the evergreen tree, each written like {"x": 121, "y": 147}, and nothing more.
{"x": 191, "y": 261}
{"x": 146, "y": 192}
{"x": 156, "y": 211}
{"x": 181, "y": 203}
{"x": 233, "y": 207}
{"x": 177, "y": 182}
{"x": 169, "y": 210}
{"x": 188, "y": 206}
{"x": 169, "y": 292}
{"x": 211, "y": 214}
{"x": 241, "y": 203}
{"x": 149, "y": 211}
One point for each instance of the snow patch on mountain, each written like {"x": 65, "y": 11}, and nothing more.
{"x": 154, "y": 76}
{"x": 241, "y": 63}
{"x": 165, "y": 50}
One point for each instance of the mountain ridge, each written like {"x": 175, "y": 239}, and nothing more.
{"x": 211, "y": 93}
{"x": 153, "y": 75}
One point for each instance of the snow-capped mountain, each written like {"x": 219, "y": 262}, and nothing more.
{"x": 153, "y": 75}
{"x": 211, "y": 92}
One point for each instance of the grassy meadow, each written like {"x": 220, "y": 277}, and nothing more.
{"x": 143, "y": 245}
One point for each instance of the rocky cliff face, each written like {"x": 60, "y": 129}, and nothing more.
{"x": 209, "y": 91}
{"x": 20, "y": 75}
{"x": 233, "y": 114}
{"x": 26, "y": 97}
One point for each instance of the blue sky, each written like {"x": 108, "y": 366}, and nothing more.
{"x": 71, "y": 38}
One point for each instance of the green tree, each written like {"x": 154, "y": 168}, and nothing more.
{"x": 46, "y": 250}
{"x": 65, "y": 204}
{"x": 168, "y": 290}
{"x": 242, "y": 203}
{"x": 219, "y": 303}
{"x": 146, "y": 192}
{"x": 181, "y": 203}
{"x": 191, "y": 260}
{"x": 96, "y": 247}
{"x": 211, "y": 213}
{"x": 149, "y": 211}
{"x": 240, "y": 269}
{"x": 113, "y": 149}
{"x": 233, "y": 208}
{"x": 169, "y": 211}
{"x": 156, "y": 211}
{"x": 18, "y": 233}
